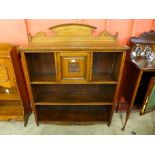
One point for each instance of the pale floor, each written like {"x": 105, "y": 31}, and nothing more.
{"x": 138, "y": 124}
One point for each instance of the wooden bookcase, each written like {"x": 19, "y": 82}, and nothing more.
{"x": 138, "y": 85}
{"x": 73, "y": 76}
{"x": 14, "y": 99}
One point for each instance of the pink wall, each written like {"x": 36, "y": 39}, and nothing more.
{"x": 15, "y": 31}
{"x": 123, "y": 27}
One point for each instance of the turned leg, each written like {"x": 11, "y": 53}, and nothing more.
{"x": 126, "y": 119}
{"x": 26, "y": 118}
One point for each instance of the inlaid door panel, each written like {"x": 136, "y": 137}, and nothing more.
{"x": 6, "y": 73}
{"x": 73, "y": 66}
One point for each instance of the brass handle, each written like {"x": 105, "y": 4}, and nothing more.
{"x": 7, "y": 91}
{"x": 73, "y": 60}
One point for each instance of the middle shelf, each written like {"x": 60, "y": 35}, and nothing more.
{"x": 72, "y": 94}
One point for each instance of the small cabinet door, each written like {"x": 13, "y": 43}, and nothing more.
{"x": 149, "y": 100}
{"x": 6, "y": 73}
{"x": 73, "y": 66}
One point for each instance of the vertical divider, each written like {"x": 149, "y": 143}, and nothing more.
{"x": 91, "y": 66}
{"x": 56, "y": 67}
{"x": 26, "y": 74}
{"x": 118, "y": 86}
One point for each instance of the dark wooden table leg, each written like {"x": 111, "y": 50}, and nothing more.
{"x": 126, "y": 119}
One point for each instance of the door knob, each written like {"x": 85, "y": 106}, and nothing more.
{"x": 73, "y": 60}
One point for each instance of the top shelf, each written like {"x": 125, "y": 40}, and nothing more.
{"x": 67, "y": 46}
{"x": 43, "y": 68}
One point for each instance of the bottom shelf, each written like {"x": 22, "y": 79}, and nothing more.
{"x": 73, "y": 114}
{"x": 123, "y": 105}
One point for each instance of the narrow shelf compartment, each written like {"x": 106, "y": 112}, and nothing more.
{"x": 106, "y": 67}
{"x": 143, "y": 87}
{"x": 123, "y": 105}
{"x": 73, "y": 114}
{"x": 9, "y": 94}
{"x": 72, "y": 94}
{"x": 41, "y": 67}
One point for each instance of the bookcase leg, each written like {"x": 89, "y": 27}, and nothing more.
{"x": 109, "y": 123}
{"x": 37, "y": 124}
{"x": 36, "y": 121}
{"x": 126, "y": 119}
{"x": 25, "y": 123}
{"x": 26, "y": 118}
{"x": 35, "y": 115}
{"x": 111, "y": 115}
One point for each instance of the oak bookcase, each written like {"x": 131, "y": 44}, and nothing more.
{"x": 73, "y": 76}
